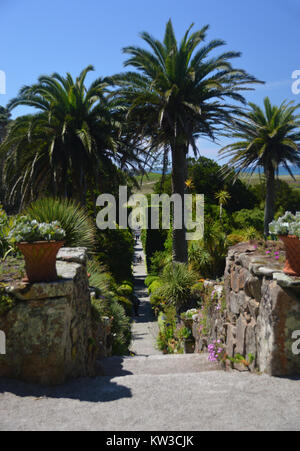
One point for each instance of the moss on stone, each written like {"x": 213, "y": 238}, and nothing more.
{"x": 6, "y": 301}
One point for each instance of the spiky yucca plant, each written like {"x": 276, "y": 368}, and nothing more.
{"x": 177, "y": 280}
{"x": 79, "y": 228}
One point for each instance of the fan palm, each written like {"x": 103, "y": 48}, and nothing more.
{"x": 60, "y": 149}
{"x": 177, "y": 94}
{"x": 266, "y": 139}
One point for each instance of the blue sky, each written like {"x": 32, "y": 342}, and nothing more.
{"x": 40, "y": 37}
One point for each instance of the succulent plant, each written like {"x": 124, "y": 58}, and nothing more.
{"x": 29, "y": 231}
{"x": 288, "y": 224}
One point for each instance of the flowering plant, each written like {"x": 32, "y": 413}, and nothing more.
{"x": 215, "y": 351}
{"x": 288, "y": 224}
{"x": 29, "y": 231}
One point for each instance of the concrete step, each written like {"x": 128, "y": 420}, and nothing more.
{"x": 156, "y": 365}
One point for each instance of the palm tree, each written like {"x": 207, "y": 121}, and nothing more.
{"x": 63, "y": 146}
{"x": 177, "y": 94}
{"x": 4, "y": 122}
{"x": 266, "y": 140}
{"x": 223, "y": 197}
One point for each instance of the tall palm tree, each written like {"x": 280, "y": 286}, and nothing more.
{"x": 61, "y": 148}
{"x": 177, "y": 94}
{"x": 4, "y": 122}
{"x": 266, "y": 139}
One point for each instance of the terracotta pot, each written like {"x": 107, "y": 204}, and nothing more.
{"x": 40, "y": 260}
{"x": 292, "y": 247}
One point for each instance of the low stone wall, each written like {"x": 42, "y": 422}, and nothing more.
{"x": 50, "y": 334}
{"x": 262, "y": 312}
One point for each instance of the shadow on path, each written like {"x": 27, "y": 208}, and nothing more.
{"x": 97, "y": 389}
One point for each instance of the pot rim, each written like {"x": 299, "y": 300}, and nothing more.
{"x": 40, "y": 243}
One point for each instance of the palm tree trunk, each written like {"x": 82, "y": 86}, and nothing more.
{"x": 179, "y": 165}
{"x": 270, "y": 198}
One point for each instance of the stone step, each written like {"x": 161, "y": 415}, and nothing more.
{"x": 156, "y": 365}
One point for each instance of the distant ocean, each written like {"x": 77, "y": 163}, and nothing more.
{"x": 282, "y": 171}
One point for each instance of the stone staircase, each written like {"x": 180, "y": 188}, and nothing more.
{"x": 156, "y": 365}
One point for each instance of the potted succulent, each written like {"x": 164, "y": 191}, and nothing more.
{"x": 39, "y": 243}
{"x": 287, "y": 228}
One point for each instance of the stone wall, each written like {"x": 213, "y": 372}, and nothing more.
{"x": 50, "y": 334}
{"x": 262, "y": 312}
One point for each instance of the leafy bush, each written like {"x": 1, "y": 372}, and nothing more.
{"x": 154, "y": 285}
{"x": 166, "y": 340}
{"x": 99, "y": 278}
{"x": 240, "y": 236}
{"x": 121, "y": 329}
{"x": 208, "y": 256}
{"x": 115, "y": 249}
{"x": 244, "y": 219}
{"x": 159, "y": 261}
{"x": 286, "y": 199}
{"x": 153, "y": 241}
{"x": 150, "y": 279}
{"x": 105, "y": 285}
{"x": 6, "y": 302}
{"x": 108, "y": 303}
{"x": 125, "y": 290}
{"x": 5, "y": 225}
{"x": 80, "y": 231}
{"x": 31, "y": 230}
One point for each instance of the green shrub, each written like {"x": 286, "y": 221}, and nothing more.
{"x": 80, "y": 231}
{"x": 157, "y": 304}
{"x": 155, "y": 285}
{"x": 150, "y": 279}
{"x": 166, "y": 340}
{"x": 153, "y": 241}
{"x": 244, "y": 219}
{"x": 115, "y": 249}
{"x": 244, "y": 235}
{"x": 126, "y": 303}
{"x": 128, "y": 282}
{"x": 105, "y": 285}
{"x": 159, "y": 261}
{"x": 125, "y": 290}
{"x": 208, "y": 256}
{"x": 99, "y": 278}
{"x": 6, "y": 302}
{"x": 4, "y": 230}
{"x": 120, "y": 329}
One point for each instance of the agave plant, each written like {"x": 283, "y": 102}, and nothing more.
{"x": 79, "y": 229}
{"x": 177, "y": 280}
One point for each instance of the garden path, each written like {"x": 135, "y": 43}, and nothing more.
{"x": 144, "y": 327}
